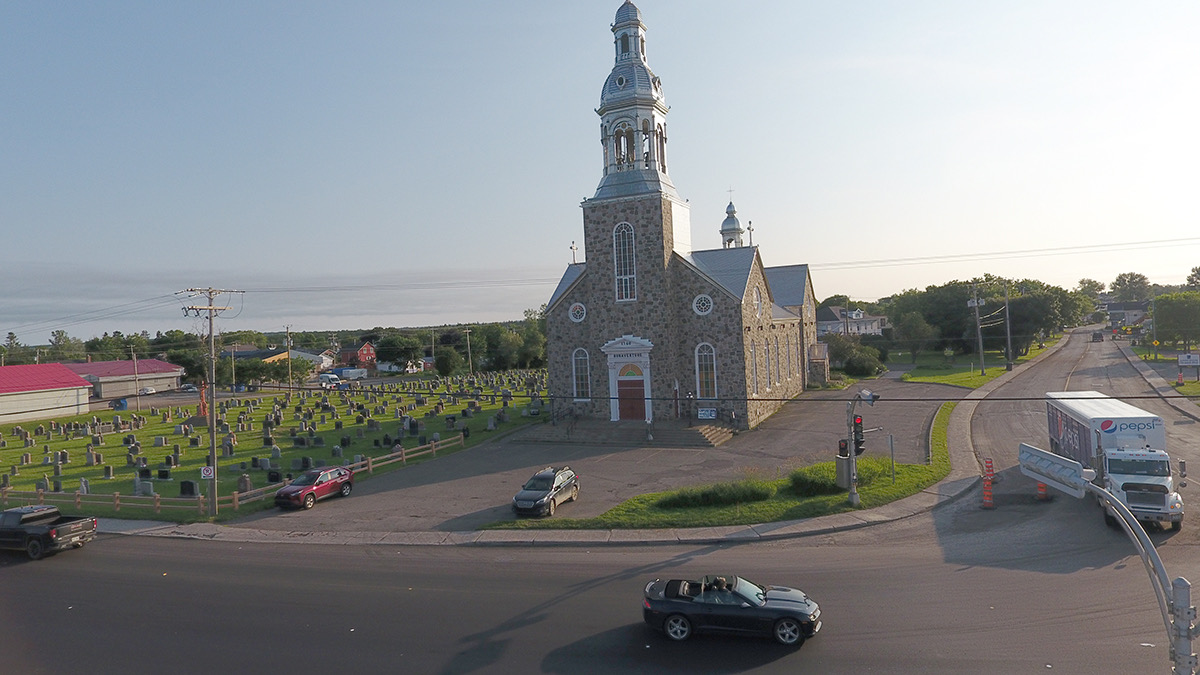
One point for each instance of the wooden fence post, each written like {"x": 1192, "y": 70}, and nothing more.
{"x": 41, "y": 496}
{"x": 4, "y": 495}
{"x": 200, "y": 504}
{"x": 235, "y": 500}
{"x": 77, "y": 499}
{"x": 157, "y": 503}
{"x": 370, "y": 465}
{"x": 116, "y": 501}
{"x": 403, "y": 456}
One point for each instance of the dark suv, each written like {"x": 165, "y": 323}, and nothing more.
{"x": 545, "y": 490}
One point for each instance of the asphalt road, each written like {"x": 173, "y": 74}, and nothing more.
{"x": 958, "y": 591}
{"x": 1028, "y": 587}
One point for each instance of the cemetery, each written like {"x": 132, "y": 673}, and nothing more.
{"x": 149, "y": 464}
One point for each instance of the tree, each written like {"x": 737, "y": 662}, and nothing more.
{"x": 1130, "y": 287}
{"x": 399, "y": 349}
{"x": 912, "y": 332}
{"x": 447, "y": 360}
{"x": 1193, "y": 280}
{"x": 1177, "y": 317}
{"x": 1090, "y": 288}
{"x": 63, "y": 347}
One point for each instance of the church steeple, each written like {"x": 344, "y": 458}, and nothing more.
{"x": 731, "y": 229}
{"x": 633, "y": 127}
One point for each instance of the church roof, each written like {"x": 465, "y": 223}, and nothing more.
{"x": 569, "y": 277}
{"x": 627, "y": 12}
{"x": 729, "y": 267}
{"x": 789, "y": 284}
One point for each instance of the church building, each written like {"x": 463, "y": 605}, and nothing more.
{"x": 647, "y": 328}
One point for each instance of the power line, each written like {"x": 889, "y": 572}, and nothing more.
{"x": 999, "y": 255}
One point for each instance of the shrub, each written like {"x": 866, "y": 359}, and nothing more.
{"x": 719, "y": 494}
{"x": 818, "y": 479}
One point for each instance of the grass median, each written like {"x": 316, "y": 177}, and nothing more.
{"x": 808, "y": 492}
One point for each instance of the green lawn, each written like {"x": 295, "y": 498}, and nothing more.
{"x": 352, "y": 409}
{"x": 645, "y": 512}
{"x": 964, "y": 371}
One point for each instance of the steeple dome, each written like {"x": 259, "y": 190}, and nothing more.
{"x": 731, "y": 228}
{"x": 633, "y": 128}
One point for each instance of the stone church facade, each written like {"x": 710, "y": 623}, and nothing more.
{"x": 647, "y": 329}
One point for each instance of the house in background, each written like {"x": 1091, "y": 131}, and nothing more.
{"x": 118, "y": 379}
{"x": 322, "y": 361}
{"x": 359, "y": 356}
{"x": 41, "y": 391}
{"x": 1127, "y": 313}
{"x": 841, "y": 321}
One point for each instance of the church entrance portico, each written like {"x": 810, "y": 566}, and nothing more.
{"x": 629, "y": 378}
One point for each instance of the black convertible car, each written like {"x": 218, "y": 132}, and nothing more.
{"x": 730, "y": 604}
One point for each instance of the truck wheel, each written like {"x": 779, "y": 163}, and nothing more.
{"x": 34, "y": 548}
{"x": 1175, "y": 526}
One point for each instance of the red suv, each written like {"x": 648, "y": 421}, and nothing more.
{"x": 316, "y": 484}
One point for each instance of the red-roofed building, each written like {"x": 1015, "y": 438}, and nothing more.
{"x": 118, "y": 379}
{"x": 41, "y": 391}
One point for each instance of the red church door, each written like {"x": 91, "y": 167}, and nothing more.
{"x": 631, "y": 399}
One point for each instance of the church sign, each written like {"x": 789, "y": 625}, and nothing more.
{"x": 706, "y": 413}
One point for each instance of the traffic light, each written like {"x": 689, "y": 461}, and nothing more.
{"x": 859, "y": 442}
{"x": 842, "y": 448}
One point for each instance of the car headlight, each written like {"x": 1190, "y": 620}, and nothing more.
{"x": 543, "y": 499}
{"x": 1176, "y": 503}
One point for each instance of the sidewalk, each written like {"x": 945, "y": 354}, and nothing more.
{"x": 964, "y": 475}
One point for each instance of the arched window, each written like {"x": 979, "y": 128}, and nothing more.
{"x": 624, "y": 263}
{"x": 778, "y": 360}
{"x": 767, "y": 361}
{"x": 754, "y": 367}
{"x": 624, "y": 44}
{"x": 582, "y": 383}
{"x": 706, "y": 371}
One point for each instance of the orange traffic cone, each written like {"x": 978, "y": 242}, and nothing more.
{"x": 987, "y": 494}
{"x": 1179, "y": 380}
{"x": 1042, "y": 496}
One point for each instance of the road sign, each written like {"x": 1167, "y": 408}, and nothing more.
{"x": 1155, "y": 343}
{"x": 1058, "y": 472}
{"x": 207, "y": 473}
{"x": 1189, "y": 359}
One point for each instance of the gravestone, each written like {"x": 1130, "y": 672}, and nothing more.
{"x": 274, "y": 477}
{"x": 436, "y": 437}
{"x": 297, "y": 464}
{"x": 276, "y": 453}
{"x": 164, "y": 474}
{"x": 145, "y": 489}
{"x": 306, "y": 462}
{"x": 187, "y": 488}
{"x": 16, "y": 470}
{"x": 491, "y": 423}
{"x": 254, "y": 462}
{"x": 84, "y": 486}
{"x": 57, "y": 485}
{"x": 4, "y": 481}
{"x": 337, "y": 451}
{"x": 168, "y": 462}
{"x": 108, "y": 472}
{"x": 58, "y": 469}
{"x": 143, "y": 473}
{"x": 244, "y": 483}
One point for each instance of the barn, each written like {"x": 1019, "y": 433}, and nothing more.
{"x": 41, "y": 391}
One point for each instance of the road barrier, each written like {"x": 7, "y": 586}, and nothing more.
{"x": 989, "y": 474}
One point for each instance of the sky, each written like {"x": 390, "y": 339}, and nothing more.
{"x": 371, "y": 164}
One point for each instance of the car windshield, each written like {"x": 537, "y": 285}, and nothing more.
{"x": 540, "y": 483}
{"x": 749, "y": 590}
{"x": 305, "y": 479}
{"x": 1140, "y": 467}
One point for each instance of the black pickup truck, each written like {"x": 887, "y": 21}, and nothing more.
{"x": 39, "y": 530}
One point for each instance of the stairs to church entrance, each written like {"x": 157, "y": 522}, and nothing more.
{"x": 669, "y": 434}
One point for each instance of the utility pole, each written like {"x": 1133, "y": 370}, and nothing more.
{"x": 233, "y": 366}
{"x": 210, "y": 294}
{"x": 288, "y": 346}
{"x": 137, "y": 390}
{"x": 470, "y": 367}
{"x": 1007, "y": 330}
{"x": 974, "y": 302}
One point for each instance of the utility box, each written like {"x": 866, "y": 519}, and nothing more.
{"x": 843, "y": 472}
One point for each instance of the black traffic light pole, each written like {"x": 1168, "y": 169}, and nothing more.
{"x": 854, "y": 437}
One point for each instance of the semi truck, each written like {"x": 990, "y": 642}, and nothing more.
{"x": 350, "y": 373}
{"x": 1125, "y": 446}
